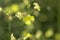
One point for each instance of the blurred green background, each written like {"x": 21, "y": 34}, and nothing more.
{"x": 46, "y": 24}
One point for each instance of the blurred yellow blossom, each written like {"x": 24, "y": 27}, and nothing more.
{"x": 26, "y": 35}
{"x": 28, "y": 22}
{"x": 38, "y": 34}
{"x": 0, "y": 8}
{"x": 57, "y": 36}
{"x": 37, "y": 7}
{"x": 49, "y": 33}
{"x": 14, "y": 7}
{"x": 26, "y": 2}
{"x": 28, "y": 19}
{"x": 19, "y": 15}
{"x": 12, "y": 37}
{"x": 11, "y": 9}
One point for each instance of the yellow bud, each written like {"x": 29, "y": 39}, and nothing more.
{"x": 37, "y": 7}
{"x": 19, "y": 15}
{"x": 12, "y": 37}
{"x": 26, "y": 35}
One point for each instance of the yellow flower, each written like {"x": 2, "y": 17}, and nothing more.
{"x": 26, "y": 35}
{"x": 28, "y": 22}
{"x": 37, "y": 7}
{"x": 14, "y": 7}
{"x": 28, "y": 19}
{"x": 32, "y": 18}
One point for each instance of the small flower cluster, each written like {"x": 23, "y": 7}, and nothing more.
{"x": 17, "y": 10}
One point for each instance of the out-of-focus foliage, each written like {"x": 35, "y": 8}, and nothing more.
{"x": 29, "y": 20}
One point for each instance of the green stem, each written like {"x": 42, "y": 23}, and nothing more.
{"x": 9, "y": 28}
